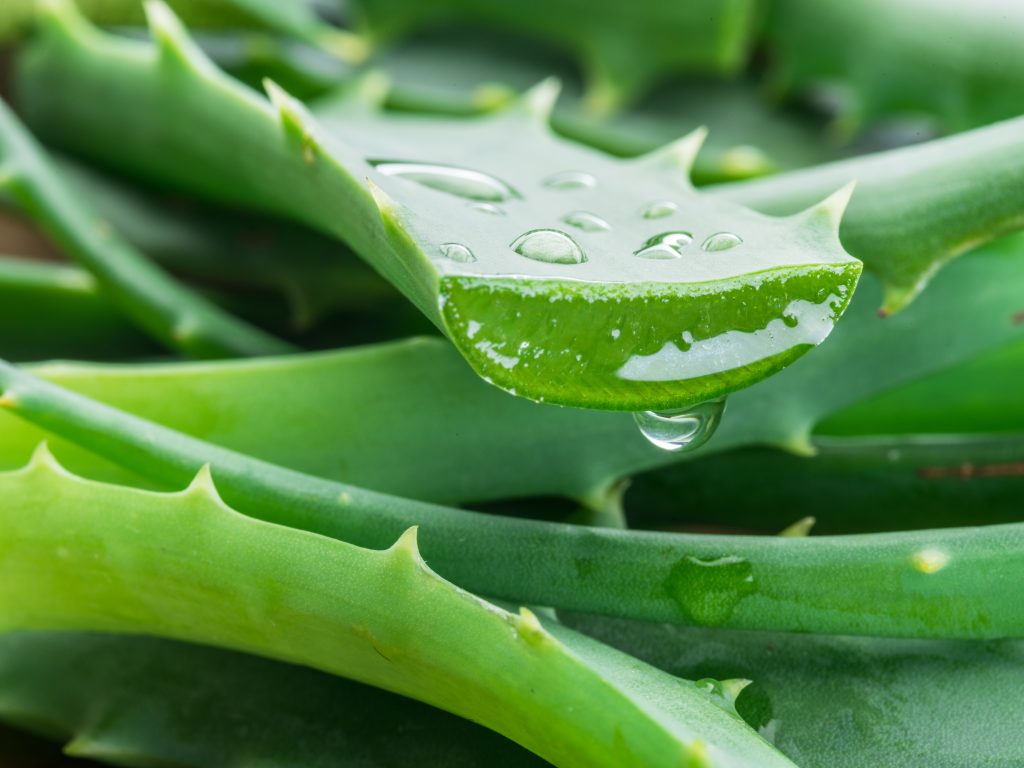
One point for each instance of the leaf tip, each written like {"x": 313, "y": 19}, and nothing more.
{"x": 678, "y": 155}
{"x": 172, "y": 39}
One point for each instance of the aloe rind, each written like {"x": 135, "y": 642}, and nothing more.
{"x": 171, "y": 313}
{"x": 916, "y": 207}
{"x": 221, "y": 578}
{"x": 932, "y": 583}
{"x": 614, "y": 325}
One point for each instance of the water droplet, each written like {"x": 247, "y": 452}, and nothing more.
{"x": 487, "y": 208}
{"x": 667, "y": 245}
{"x": 588, "y": 222}
{"x": 707, "y": 590}
{"x": 549, "y": 245}
{"x": 457, "y": 252}
{"x": 472, "y": 185}
{"x": 659, "y": 209}
{"x": 570, "y": 180}
{"x": 683, "y": 430}
{"x": 721, "y": 241}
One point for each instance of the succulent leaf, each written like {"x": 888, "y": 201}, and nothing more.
{"x": 216, "y": 577}
{"x": 538, "y": 301}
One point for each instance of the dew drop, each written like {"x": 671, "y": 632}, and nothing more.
{"x": 721, "y": 241}
{"x": 707, "y": 590}
{"x": 667, "y": 245}
{"x": 488, "y": 208}
{"x": 588, "y": 222}
{"x": 463, "y": 182}
{"x": 457, "y": 252}
{"x": 570, "y": 180}
{"x": 549, "y": 245}
{"x": 659, "y": 209}
{"x": 683, "y": 430}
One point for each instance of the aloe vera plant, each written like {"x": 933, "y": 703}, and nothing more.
{"x": 360, "y": 552}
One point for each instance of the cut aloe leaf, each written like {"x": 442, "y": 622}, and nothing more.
{"x": 560, "y": 273}
{"x": 220, "y": 578}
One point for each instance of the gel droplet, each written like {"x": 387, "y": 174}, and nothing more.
{"x": 707, "y": 590}
{"x": 659, "y": 209}
{"x": 549, "y": 245}
{"x": 667, "y": 245}
{"x": 457, "y": 252}
{"x": 488, "y": 208}
{"x": 463, "y": 182}
{"x": 570, "y": 180}
{"x": 721, "y": 241}
{"x": 683, "y": 430}
{"x": 588, "y": 222}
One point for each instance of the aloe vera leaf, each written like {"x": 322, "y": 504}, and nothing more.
{"x": 425, "y": 240}
{"x": 221, "y": 578}
{"x": 872, "y": 483}
{"x": 915, "y": 207}
{"x": 458, "y": 440}
{"x": 932, "y": 583}
{"x": 117, "y": 696}
{"x": 163, "y": 308}
{"x": 621, "y": 49}
{"x": 879, "y": 702}
{"x": 49, "y": 310}
{"x": 959, "y": 63}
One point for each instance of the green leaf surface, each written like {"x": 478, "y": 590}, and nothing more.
{"x": 145, "y": 701}
{"x": 642, "y": 308}
{"x": 851, "y": 485}
{"x": 217, "y": 577}
{"x": 846, "y": 702}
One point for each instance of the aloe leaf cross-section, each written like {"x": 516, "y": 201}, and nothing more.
{"x": 560, "y": 273}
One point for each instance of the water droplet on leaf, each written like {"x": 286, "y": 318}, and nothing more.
{"x": 549, "y": 245}
{"x": 708, "y": 590}
{"x": 721, "y": 241}
{"x": 667, "y": 245}
{"x": 682, "y": 430}
{"x": 487, "y": 208}
{"x": 659, "y": 209}
{"x": 463, "y": 182}
{"x": 588, "y": 222}
{"x": 457, "y": 252}
{"x": 570, "y": 180}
